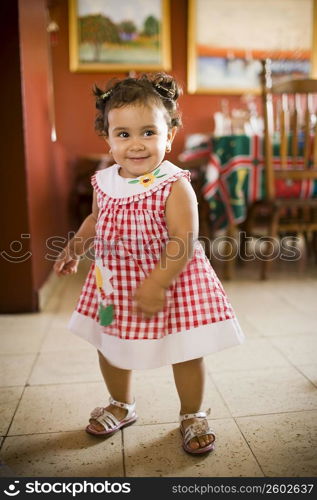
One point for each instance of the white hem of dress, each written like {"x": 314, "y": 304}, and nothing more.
{"x": 174, "y": 348}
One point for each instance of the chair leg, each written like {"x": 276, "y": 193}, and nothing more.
{"x": 314, "y": 245}
{"x": 242, "y": 239}
{"x": 229, "y": 266}
{"x": 247, "y": 232}
{"x": 272, "y": 234}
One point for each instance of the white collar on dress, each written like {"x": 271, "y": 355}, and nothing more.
{"x": 111, "y": 183}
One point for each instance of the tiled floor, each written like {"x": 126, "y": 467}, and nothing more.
{"x": 263, "y": 394}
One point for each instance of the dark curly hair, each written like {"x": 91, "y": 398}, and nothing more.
{"x": 157, "y": 88}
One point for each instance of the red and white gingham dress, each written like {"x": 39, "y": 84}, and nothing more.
{"x": 130, "y": 234}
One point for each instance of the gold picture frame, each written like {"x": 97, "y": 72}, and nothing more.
{"x": 219, "y": 63}
{"x": 132, "y": 36}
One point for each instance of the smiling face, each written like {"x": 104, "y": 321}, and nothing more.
{"x": 138, "y": 135}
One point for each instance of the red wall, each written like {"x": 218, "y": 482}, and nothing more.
{"x": 44, "y": 159}
{"x": 75, "y": 106}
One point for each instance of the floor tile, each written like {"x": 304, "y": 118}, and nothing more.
{"x": 57, "y": 408}
{"x": 285, "y": 317}
{"x": 66, "y": 454}
{"x": 284, "y": 445}
{"x": 60, "y": 321}
{"x": 252, "y": 354}
{"x": 20, "y": 321}
{"x": 5, "y": 471}
{"x": 158, "y": 401}
{"x": 249, "y": 330}
{"x": 26, "y": 340}
{"x": 155, "y": 450}
{"x": 254, "y": 392}
{"x": 9, "y": 400}
{"x": 285, "y": 320}
{"x": 299, "y": 350}
{"x": 15, "y": 369}
{"x": 59, "y": 338}
{"x": 251, "y": 296}
{"x": 66, "y": 367}
{"x": 305, "y": 290}
{"x": 310, "y": 371}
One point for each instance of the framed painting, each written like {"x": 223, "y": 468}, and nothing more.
{"x": 119, "y": 35}
{"x": 228, "y": 39}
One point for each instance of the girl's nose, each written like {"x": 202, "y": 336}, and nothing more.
{"x": 137, "y": 146}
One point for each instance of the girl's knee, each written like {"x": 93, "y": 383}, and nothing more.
{"x": 196, "y": 361}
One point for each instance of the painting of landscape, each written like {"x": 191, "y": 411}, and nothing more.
{"x": 104, "y": 37}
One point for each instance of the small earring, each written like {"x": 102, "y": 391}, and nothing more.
{"x": 168, "y": 148}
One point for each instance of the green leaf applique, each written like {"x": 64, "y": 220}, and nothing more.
{"x": 158, "y": 176}
{"x": 106, "y": 315}
{"x": 133, "y": 182}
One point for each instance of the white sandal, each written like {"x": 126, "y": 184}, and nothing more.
{"x": 110, "y": 423}
{"x": 196, "y": 430}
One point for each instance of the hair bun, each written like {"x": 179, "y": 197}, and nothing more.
{"x": 99, "y": 95}
{"x": 166, "y": 86}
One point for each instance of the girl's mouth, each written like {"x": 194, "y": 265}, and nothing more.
{"x": 138, "y": 158}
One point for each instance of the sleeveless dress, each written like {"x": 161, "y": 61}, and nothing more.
{"x": 131, "y": 233}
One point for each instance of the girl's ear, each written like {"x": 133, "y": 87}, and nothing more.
{"x": 171, "y": 134}
{"x": 106, "y": 139}
{"x": 170, "y": 137}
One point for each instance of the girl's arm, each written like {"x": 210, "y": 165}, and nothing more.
{"x": 68, "y": 260}
{"x": 182, "y": 224}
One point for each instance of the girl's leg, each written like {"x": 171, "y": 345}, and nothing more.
{"x": 189, "y": 379}
{"x": 118, "y": 382}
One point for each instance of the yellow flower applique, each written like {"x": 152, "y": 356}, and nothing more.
{"x": 147, "y": 179}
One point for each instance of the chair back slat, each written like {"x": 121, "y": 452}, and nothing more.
{"x": 294, "y": 131}
{"x": 283, "y": 131}
{"x": 308, "y": 119}
{"x": 291, "y": 103}
{"x": 315, "y": 145}
{"x": 268, "y": 131}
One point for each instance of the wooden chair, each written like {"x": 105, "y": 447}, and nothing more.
{"x": 289, "y": 109}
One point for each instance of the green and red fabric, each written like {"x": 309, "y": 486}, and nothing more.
{"x": 234, "y": 177}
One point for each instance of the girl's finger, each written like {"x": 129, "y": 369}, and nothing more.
{"x": 58, "y": 266}
{"x": 58, "y": 270}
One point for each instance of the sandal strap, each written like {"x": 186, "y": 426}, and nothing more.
{"x": 107, "y": 420}
{"x": 197, "y": 430}
{"x": 199, "y": 414}
{"x": 125, "y": 406}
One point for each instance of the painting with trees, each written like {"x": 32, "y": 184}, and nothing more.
{"x": 135, "y": 36}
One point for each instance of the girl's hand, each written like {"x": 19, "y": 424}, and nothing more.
{"x": 65, "y": 263}
{"x": 149, "y": 298}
